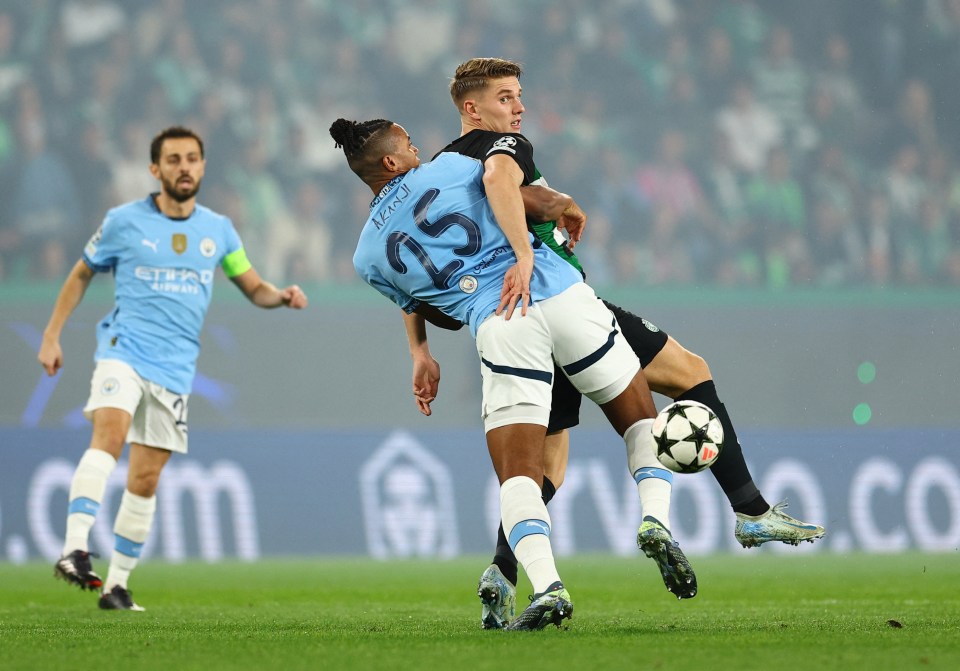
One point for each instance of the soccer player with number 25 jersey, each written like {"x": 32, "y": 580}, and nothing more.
{"x": 448, "y": 241}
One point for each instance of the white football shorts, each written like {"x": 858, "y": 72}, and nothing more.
{"x": 573, "y": 328}
{"x": 159, "y": 416}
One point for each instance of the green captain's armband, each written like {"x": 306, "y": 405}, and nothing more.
{"x": 236, "y": 263}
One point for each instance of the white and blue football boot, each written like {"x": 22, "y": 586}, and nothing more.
{"x": 498, "y": 596}
{"x": 774, "y": 525}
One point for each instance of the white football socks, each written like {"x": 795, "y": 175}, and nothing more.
{"x": 527, "y": 526}
{"x": 133, "y": 524}
{"x": 654, "y": 482}
{"x": 86, "y": 493}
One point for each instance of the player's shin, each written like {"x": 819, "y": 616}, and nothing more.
{"x": 86, "y": 493}
{"x": 131, "y": 529}
{"x": 654, "y": 482}
{"x": 525, "y": 518}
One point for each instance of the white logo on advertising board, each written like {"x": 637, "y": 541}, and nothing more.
{"x": 408, "y": 505}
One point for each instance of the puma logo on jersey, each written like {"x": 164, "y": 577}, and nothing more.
{"x": 151, "y": 244}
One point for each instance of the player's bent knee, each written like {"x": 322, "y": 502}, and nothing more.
{"x": 675, "y": 370}
{"x": 698, "y": 367}
{"x": 692, "y": 365}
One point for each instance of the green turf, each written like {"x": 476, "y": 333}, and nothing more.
{"x": 754, "y": 611}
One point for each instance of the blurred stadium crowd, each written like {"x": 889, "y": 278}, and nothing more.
{"x": 712, "y": 142}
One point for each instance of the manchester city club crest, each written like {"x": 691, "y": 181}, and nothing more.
{"x": 208, "y": 247}
{"x": 179, "y": 243}
{"x": 110, "y": 386}
{"x": 468, "y": 284}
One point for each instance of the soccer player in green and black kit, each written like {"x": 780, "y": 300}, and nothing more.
{"x": 487, "y": 94}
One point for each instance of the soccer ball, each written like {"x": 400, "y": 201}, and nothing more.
{"x": 689, "y": 436}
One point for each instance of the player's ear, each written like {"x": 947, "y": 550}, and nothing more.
{"x": 155, "y": 170}
{"x": 469, "y": 108}
{"x": 389, "y": 163}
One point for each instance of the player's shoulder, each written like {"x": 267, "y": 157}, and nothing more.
{"x": 126, "y": 213}
{"x": 133, "y": 208}
{"x": 452, "y": 158}
{"x": 450, "y": 167}
{"x": 480, "y": 143}
{"x": 211, "y": 221}
{"x": 507, "y": 142}
{"x": 491, "y": 136}
{"x": 204, "y": 212}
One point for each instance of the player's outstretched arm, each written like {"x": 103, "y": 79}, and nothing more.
{"x": 543, "y": 203}
{"x": 265, "y": 295}
{"x": 71, "y": 293}
{"x": 426, "y": 369}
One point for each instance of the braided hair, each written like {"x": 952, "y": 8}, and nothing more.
{"x": 363, "y": 143}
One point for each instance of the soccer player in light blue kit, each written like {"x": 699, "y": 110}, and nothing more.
{"x": 447, "y": 242}
{"x": 163, "y": 251}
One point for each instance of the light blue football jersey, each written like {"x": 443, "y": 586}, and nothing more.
{"x": 432, "y": 237}
{"x": 163, "y": 273}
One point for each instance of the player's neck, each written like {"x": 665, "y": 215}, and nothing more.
{"x": 174, "y": 208}
{"x": 467, "y": 124}
{"x": 377, "y": 185}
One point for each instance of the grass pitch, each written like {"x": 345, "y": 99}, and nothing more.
{"x": 756, "y": 611}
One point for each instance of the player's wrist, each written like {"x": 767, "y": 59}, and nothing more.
{"x": 420, "y": 352}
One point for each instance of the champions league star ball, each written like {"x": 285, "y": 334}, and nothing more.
{"x": 688, "y": 435}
